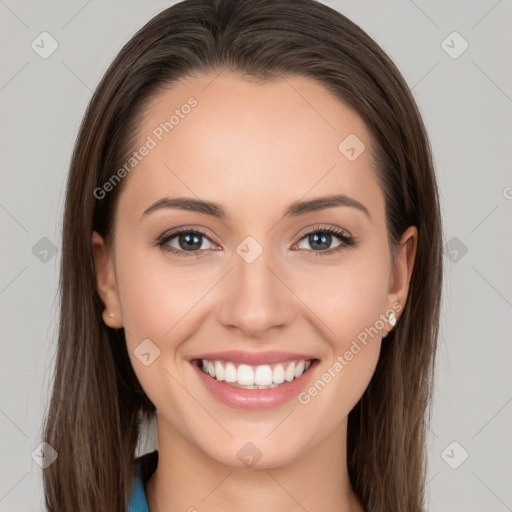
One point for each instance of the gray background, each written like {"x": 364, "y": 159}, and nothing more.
{"x": 466, "y": 103}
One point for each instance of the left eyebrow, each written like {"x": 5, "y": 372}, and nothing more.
{"x": 293, "y": 210}
{"x": 321, "y": 203}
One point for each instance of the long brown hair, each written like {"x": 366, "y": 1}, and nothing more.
{"x": 97, "y": 406}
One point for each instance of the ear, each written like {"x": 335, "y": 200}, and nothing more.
{"x": 401, "y": 271}
{"x": 106, "y": 282}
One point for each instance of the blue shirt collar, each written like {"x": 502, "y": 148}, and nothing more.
{"x": 145, "y": 466}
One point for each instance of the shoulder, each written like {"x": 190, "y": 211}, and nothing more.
{"x": 145, "y": 466}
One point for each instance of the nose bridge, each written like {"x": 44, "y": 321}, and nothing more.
{"x": 256, "y": 300}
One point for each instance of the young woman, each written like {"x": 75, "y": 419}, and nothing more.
{"x": 252, "y": 256}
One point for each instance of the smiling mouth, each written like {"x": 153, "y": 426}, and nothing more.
{"x": 266, "y": 376}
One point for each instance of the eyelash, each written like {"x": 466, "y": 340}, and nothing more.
{"x": 163, "y": 240}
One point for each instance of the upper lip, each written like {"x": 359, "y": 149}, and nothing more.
{"x": 253, "y": 358}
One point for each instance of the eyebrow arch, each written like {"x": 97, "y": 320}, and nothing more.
{"x": 293, "y": 210}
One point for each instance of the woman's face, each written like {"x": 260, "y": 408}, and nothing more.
{"x": 258, "y": 278}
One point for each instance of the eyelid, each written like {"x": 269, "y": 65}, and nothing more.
{"x": 200, "y": 230}
{"x": 318, "y": 227}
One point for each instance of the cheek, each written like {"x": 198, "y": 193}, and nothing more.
{"x": 157, "y": 302}
{"x": 350, "y": 305}
{"x": 156, "y": 294}
{"x": 349, "y": 297}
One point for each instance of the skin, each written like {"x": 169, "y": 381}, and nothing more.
{"x": 254, "y": 148}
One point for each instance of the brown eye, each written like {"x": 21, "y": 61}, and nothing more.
{"x": 321, "y": 239}
{"x": 184, "y": 241}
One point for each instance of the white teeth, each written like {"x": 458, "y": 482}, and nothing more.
{"x": 245, "y": 375}
{"x": 289, "y": 373}
{"x": 219, "y": 371}
{"x": 278, "y": 375}
{"x": 255, "y": 377}
{"x": 299, "y": 369}
{"x": 263, "y": 376}
{"x": 231, "y": 373}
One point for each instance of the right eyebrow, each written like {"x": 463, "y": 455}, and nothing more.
{"x": 186, "y": 203}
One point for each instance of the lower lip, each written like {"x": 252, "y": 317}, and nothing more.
{"x": 255, "y": 399}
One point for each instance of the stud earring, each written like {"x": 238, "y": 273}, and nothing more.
{"x": 106, "y": 315}
{"x": 392, "y": 319}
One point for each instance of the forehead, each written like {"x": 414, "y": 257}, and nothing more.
{"x": 239, "y": 142}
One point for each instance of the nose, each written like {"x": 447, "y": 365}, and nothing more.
{"x": 255, "y": 298}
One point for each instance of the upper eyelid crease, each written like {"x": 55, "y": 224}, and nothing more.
{"x": 294, "y": 210}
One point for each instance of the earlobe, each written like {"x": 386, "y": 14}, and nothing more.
{"x": 110, "y": 319}
{"x": 106, "y": 282}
